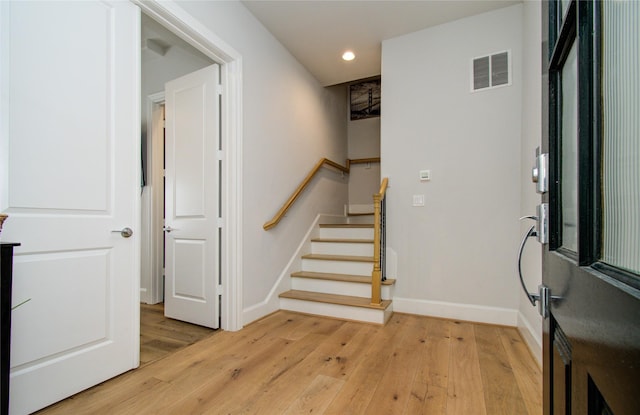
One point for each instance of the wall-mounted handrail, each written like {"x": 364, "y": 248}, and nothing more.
{"x": 280, "y": 214}
{"x": 283, "y": 210}
{"x": 379, "y": 242}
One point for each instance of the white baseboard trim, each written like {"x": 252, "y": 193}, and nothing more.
{"x": 272, "y": 302}
{"x": 456, "y": 311}
{"x": 531, "y": 337}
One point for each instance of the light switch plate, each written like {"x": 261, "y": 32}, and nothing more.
{"x": 425, "y": 175}
{"x": 418, "y": 200}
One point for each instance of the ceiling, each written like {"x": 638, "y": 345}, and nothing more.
{"x": 318, "y": 32}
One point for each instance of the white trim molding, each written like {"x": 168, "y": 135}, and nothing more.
{"x": 456, "y": 311}
{"x": 531, "y": 337}
{"x": 170, "y": 15}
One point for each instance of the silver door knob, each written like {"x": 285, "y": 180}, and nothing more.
{"x": 168, "y": 229}
{"x": 125, "y": 232}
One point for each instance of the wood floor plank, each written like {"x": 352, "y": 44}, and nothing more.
{"x": 465, "y": 390}
{"x": 316, "y": 398}
{"x": 356, "y": 394}
{"x": 346, "y": 352}
{"x": 289, "y": 362}
{"x": 392, "y": 393}
{"x": 527, "y": 373}
{"x": 501, "y": 393}
{"x": 323, "y": 359}
{"x": 429, "y": 387}
{"x": 160, "y": 336}
{"x": 244, "y": 375}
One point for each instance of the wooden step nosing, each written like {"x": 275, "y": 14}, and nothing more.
{"x": 328, "y": 276}
{"x": 342, "y": 241}
{"x": 344, "y": 258}
{"x": 343, "y": 300}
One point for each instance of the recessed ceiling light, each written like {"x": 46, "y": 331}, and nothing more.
{"x": 348, "y": 56}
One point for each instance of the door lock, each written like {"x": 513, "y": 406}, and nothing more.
{"x": 539, "y": 173}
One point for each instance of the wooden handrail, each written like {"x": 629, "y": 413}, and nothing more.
{"x": 376, "y": 276}
{"x": 278, "y": 216}
{"x": 283, "y": 210}
{"x": 363, "y": 161}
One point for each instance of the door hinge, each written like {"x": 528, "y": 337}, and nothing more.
{"x": 219, "y": 289}
{"x": 220, "y": 222}
{"x": 219, "y": 89}
{"x": 219, "y": 155}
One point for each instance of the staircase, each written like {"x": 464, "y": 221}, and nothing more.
{"x": 335, "y": 279}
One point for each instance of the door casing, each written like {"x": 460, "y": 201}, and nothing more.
{"x": 175, "y": 19}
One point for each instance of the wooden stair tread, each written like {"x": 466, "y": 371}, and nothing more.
{"x": 351, "y": 258}
{"x": 361, "y": 214}
{"x": 346, "y": 300}
{"x": 363, "y": 279}
{"x": 346, "y": 225}
{"x": 343, "y": 240}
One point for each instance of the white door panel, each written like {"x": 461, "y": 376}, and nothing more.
{"x": 191, "y": 194}
{"x": 70, "y": 176}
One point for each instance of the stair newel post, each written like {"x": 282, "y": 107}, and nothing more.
{"x": 379, "y": 243}
{"x": 376, "y": 296}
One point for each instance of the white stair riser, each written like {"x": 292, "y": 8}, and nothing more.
{"x": 361, "y": 219}
{"x": 368, "y": 315}
{"x": 346, "y": 233}
{"x": 342, "y": 248}
{"x": 337, "y": 267}
{"x": 354, "y": 289}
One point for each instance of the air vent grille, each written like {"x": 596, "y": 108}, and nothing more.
{"x": 491, "y": 71}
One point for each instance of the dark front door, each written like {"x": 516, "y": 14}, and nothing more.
{"x": 592, "y": 133}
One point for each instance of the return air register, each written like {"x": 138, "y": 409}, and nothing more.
{"x": 491, "y": 71}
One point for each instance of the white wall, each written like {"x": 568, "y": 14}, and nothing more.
{"x": 289, "y": 123}
{"x": 364, "y": 142}
{"x": 457, "y": 254}
{"x": 529, "y": 320}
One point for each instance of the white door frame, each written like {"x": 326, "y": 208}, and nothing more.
{"x": 153, "y": 256}
{"x": 176, "y": 20}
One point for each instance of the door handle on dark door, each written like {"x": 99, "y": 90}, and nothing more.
{"x": 543, "y": 297}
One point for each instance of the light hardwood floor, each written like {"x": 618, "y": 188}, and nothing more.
{"x": 161, "y": 336}
{"x": 290, "y": 363}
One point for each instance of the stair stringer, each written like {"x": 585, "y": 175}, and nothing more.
{"x": 271, "y": 303}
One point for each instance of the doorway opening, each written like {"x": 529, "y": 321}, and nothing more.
{"x": 173, "y": 44}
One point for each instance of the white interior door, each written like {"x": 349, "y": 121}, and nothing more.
{"x": 69, "y": 166}
{"x": 192, "y": 219}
